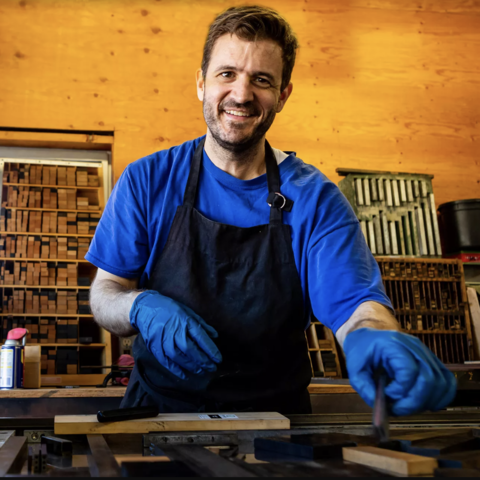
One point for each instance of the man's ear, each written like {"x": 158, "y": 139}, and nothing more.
{"x": 200, "y": 84}
{"x": 287, "y": 91}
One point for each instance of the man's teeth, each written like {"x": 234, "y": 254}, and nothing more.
{"x": 238, "y": 114}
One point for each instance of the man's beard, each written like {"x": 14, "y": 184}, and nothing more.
{"x": 221, "y": 138}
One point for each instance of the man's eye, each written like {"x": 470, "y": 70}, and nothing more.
{"x": 226, "y": 74}
{"x": 262, "y": 81}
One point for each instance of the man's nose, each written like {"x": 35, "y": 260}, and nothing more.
{"x": 242, "y": 91}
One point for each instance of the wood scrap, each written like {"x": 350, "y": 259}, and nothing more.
{"x": 390, "y": 461}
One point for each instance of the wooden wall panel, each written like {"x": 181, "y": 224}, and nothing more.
{"x": 379, "y": 84}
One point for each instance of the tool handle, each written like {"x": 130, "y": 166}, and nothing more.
{"x": 122, "y": 414}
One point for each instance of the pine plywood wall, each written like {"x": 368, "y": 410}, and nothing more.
{"x": 390, "y": 85}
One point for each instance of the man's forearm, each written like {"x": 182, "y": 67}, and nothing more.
{"x": 111, "y": 304}
{"x": 368, "y": 315}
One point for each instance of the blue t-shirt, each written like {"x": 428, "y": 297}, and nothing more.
{"x": 336, "y": 268}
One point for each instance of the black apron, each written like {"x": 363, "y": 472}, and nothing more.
{"x": 244, "y": 283}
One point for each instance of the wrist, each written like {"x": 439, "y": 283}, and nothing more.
{"x": 368, "y": 315}
{"x": 138, "y": 299}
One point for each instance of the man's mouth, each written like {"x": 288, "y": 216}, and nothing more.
{"x": 237, "y": 113}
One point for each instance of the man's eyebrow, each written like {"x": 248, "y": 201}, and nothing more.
{"x": 254, "y": 74}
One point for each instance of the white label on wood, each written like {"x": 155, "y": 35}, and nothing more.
{"x": 217, "y": 416}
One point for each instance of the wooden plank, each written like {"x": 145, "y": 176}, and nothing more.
{"x": 13, "y": 455}
{"x": 180, "y": 422}
{"x": 390, "y": 461}
{"x": 102, "y": 463}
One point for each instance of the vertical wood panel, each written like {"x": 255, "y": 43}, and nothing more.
{"x": 378, "y": 84}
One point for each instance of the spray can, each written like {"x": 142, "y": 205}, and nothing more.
{"x": 12, "y": 359}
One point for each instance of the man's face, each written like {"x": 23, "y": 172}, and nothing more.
{"x": 241, "y": 91}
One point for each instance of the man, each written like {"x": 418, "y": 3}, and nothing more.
{"x": 233, "y": 245}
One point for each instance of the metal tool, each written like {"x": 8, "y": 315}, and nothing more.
{"x": 380, "y": 413}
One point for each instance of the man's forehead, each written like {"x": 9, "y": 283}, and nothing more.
{"x": 247, "y": 54}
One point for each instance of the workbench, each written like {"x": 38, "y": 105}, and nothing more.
{"x": 29, "y": 414}
{"x": 336, "y": 396}
{"x": 213, "y": 453}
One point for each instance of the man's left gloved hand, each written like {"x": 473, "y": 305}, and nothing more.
{"x": 419, "y": 380}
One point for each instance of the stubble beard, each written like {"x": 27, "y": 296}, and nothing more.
{"x": 246, "y": 144}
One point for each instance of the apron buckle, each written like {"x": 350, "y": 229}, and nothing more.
{"x": 277, "y": 200}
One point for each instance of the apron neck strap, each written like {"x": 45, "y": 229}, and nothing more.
{"x": 273, "y": 179}
{"x": 192, "y": 183}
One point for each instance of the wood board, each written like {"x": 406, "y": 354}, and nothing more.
{"x": 390, "y": 461}
{"x": 171, "y": 422}
{"x": 392, "y": 85}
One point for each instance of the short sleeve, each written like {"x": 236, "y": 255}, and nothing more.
{"x": 342, "y": 274}
{"x": 120, "y": 244}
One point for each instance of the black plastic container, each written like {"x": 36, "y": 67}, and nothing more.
{"x": 459, "y": 224}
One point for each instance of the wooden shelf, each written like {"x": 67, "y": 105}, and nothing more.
{"x": 70, "y": 315}
{"x": 97, "y": 200}
{"x": 86, "y": 235}
{"x": 56, "y": 287}
{"x": 458, "y": 332}
{"x": 422, "y": 279}
{"x": 93, "y": 345}
{"x": 54, "y": 210}
{"x": 50, "y": 186}
{"x": 320, "y": 349}
{"x": 415, "y": 312}
{"x": 76, "y": 379}
{"x": 49, "y": 260}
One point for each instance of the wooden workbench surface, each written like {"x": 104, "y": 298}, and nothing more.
{"x": 120, "y": 391}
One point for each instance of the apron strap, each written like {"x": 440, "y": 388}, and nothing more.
{"x": 192, "y": 183}
{"x": 275, "y": 199}
{"x": 273, "y": 181}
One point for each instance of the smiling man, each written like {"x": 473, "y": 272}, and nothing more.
{"x": 217, "y": 251}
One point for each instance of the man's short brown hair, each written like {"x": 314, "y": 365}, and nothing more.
{"x": 254, "y": 23}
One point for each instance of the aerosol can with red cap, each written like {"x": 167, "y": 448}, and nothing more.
{"x": 12, "y": 359}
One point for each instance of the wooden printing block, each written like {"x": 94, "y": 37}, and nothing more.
{"x": 442, "y": 445}
{"x": 310, "y": 446}
{"x": 71, "y": 369}
{"x": 457, "y": 472}
{"x": 469, "y": 459}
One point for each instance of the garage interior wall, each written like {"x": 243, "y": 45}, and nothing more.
{"x": 378, "y": 84}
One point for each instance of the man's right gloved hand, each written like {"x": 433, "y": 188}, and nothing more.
{"x": 178, "y": 338}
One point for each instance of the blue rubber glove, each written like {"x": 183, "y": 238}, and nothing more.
{"x": 419, "y": 380}
{"x": 178, "y": 338}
